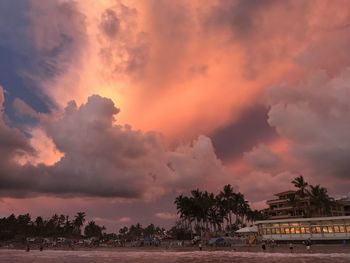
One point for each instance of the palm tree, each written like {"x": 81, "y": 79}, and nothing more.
{"x": 319, "y": 200}
{"x": 228, "y": 201}
{"x": 79, "y": 221}
{"x": 184, "y": 207}
{"x": 254, "y": 215}
{"x": 301, "y": 184}
{"x": 241, "y": 206}
{"x": 93, "y": 230}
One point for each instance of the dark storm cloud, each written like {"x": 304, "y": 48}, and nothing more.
{"x": 17, "y": 55}
{"x": 238, "y": 15}
{"x": 13, "y": 144}
{"x": 38, "y": 39}
{"x": 251, "y": 128}
{"x": 110, "y": 23}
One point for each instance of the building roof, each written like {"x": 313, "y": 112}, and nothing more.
{"x": 344, "y": 200}
{"x": 248, "y": 229}
{"x": 303, "y": 219}
{"x": 285, "y": 193}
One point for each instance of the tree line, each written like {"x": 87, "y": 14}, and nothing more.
{"x": 23, "y": 226}
{"x": 137, "y": 232}
{"x": 202, "y": 210}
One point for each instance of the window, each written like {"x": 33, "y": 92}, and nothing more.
{"x": 287, "y": 230}
{"x": 278, "y": 231}
{"x": 325, "y": 229}
{"x": 316, "y": 230}
{"x": 302, "y": 230}
{"x": 297, "y": 230}
{"x": 336, "y": 229}
{"x": 292, "y": 230}
{"x": 342, "y": 229}
{"x": 348, "y": 228}
{"x": 330, "y": 229}
{"x": 307, "y": 230}
{"x": 268, "y": 231}
{"x": 283, "y": 230}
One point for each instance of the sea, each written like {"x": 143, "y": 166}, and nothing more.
{"x": 53, "y": 256}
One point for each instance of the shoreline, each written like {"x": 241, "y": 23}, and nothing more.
{"x": 283, "y": 248}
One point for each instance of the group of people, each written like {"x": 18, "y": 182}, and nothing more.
{"x": 272, "y": 244}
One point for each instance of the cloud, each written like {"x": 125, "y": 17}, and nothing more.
{"x": 262, "y": 158}
{"x": 22, "y": 108}
{"x": 251, "y": 128}
{"x": 180, "y": 68}
{"x": 12, "y": 141}
{"x": 258, "y": 185}
{"x": 239, "y": 16}
{"x": 124, "y": 219}
{"x": 314, "y": 117}
{"x": 101, "y": 158}
{"x": 166, "y": 215}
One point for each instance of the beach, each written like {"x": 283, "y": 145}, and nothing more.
{"x": 167, "y": 256}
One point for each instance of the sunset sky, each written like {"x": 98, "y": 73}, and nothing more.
{"x": 114, "y": 107}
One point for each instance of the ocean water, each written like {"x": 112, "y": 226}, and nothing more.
{"x": 18, "y": 256}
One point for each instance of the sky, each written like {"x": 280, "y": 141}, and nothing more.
{"x": 115, "y": 107}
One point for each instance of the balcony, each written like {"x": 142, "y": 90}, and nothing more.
{"x": 282, "y": 208}
{"x": 276, "y": 201}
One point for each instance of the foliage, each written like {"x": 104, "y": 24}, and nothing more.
{"x": 207, "y": 211}
{"x": 23, "y": 226}
{"x": 137, "y": 232}
{"x": 318, "y": 201}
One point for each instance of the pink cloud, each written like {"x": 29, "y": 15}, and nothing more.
{"x": 166, "y": 216}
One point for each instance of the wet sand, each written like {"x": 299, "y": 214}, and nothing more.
{"x": 157, "y": 256}
{"x": 281, "y": 248}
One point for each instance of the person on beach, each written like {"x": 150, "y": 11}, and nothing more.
{"x": 308, "y": 245}
{"x": 27, "y": 248}
{"x": 263, "y": 246}
{"x": 200, "y": 246}
{"x": 291, "y": 247}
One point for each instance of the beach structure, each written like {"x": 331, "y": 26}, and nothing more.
{"x": 250, "y": 233}
{"x": 317, "y": 228}
{"x": 289, "y": 204}
{"x": 345, "y": 202}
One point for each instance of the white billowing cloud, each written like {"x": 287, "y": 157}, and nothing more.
{"x": 261, "y": 157}
{"x": 102, "y": 158}
{"x": 195, "y": 165}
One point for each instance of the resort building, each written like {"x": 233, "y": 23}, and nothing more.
{"x": 320, "y": 228}
{"x": 289, "y": 204}
{"x": 345, "y": 203}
